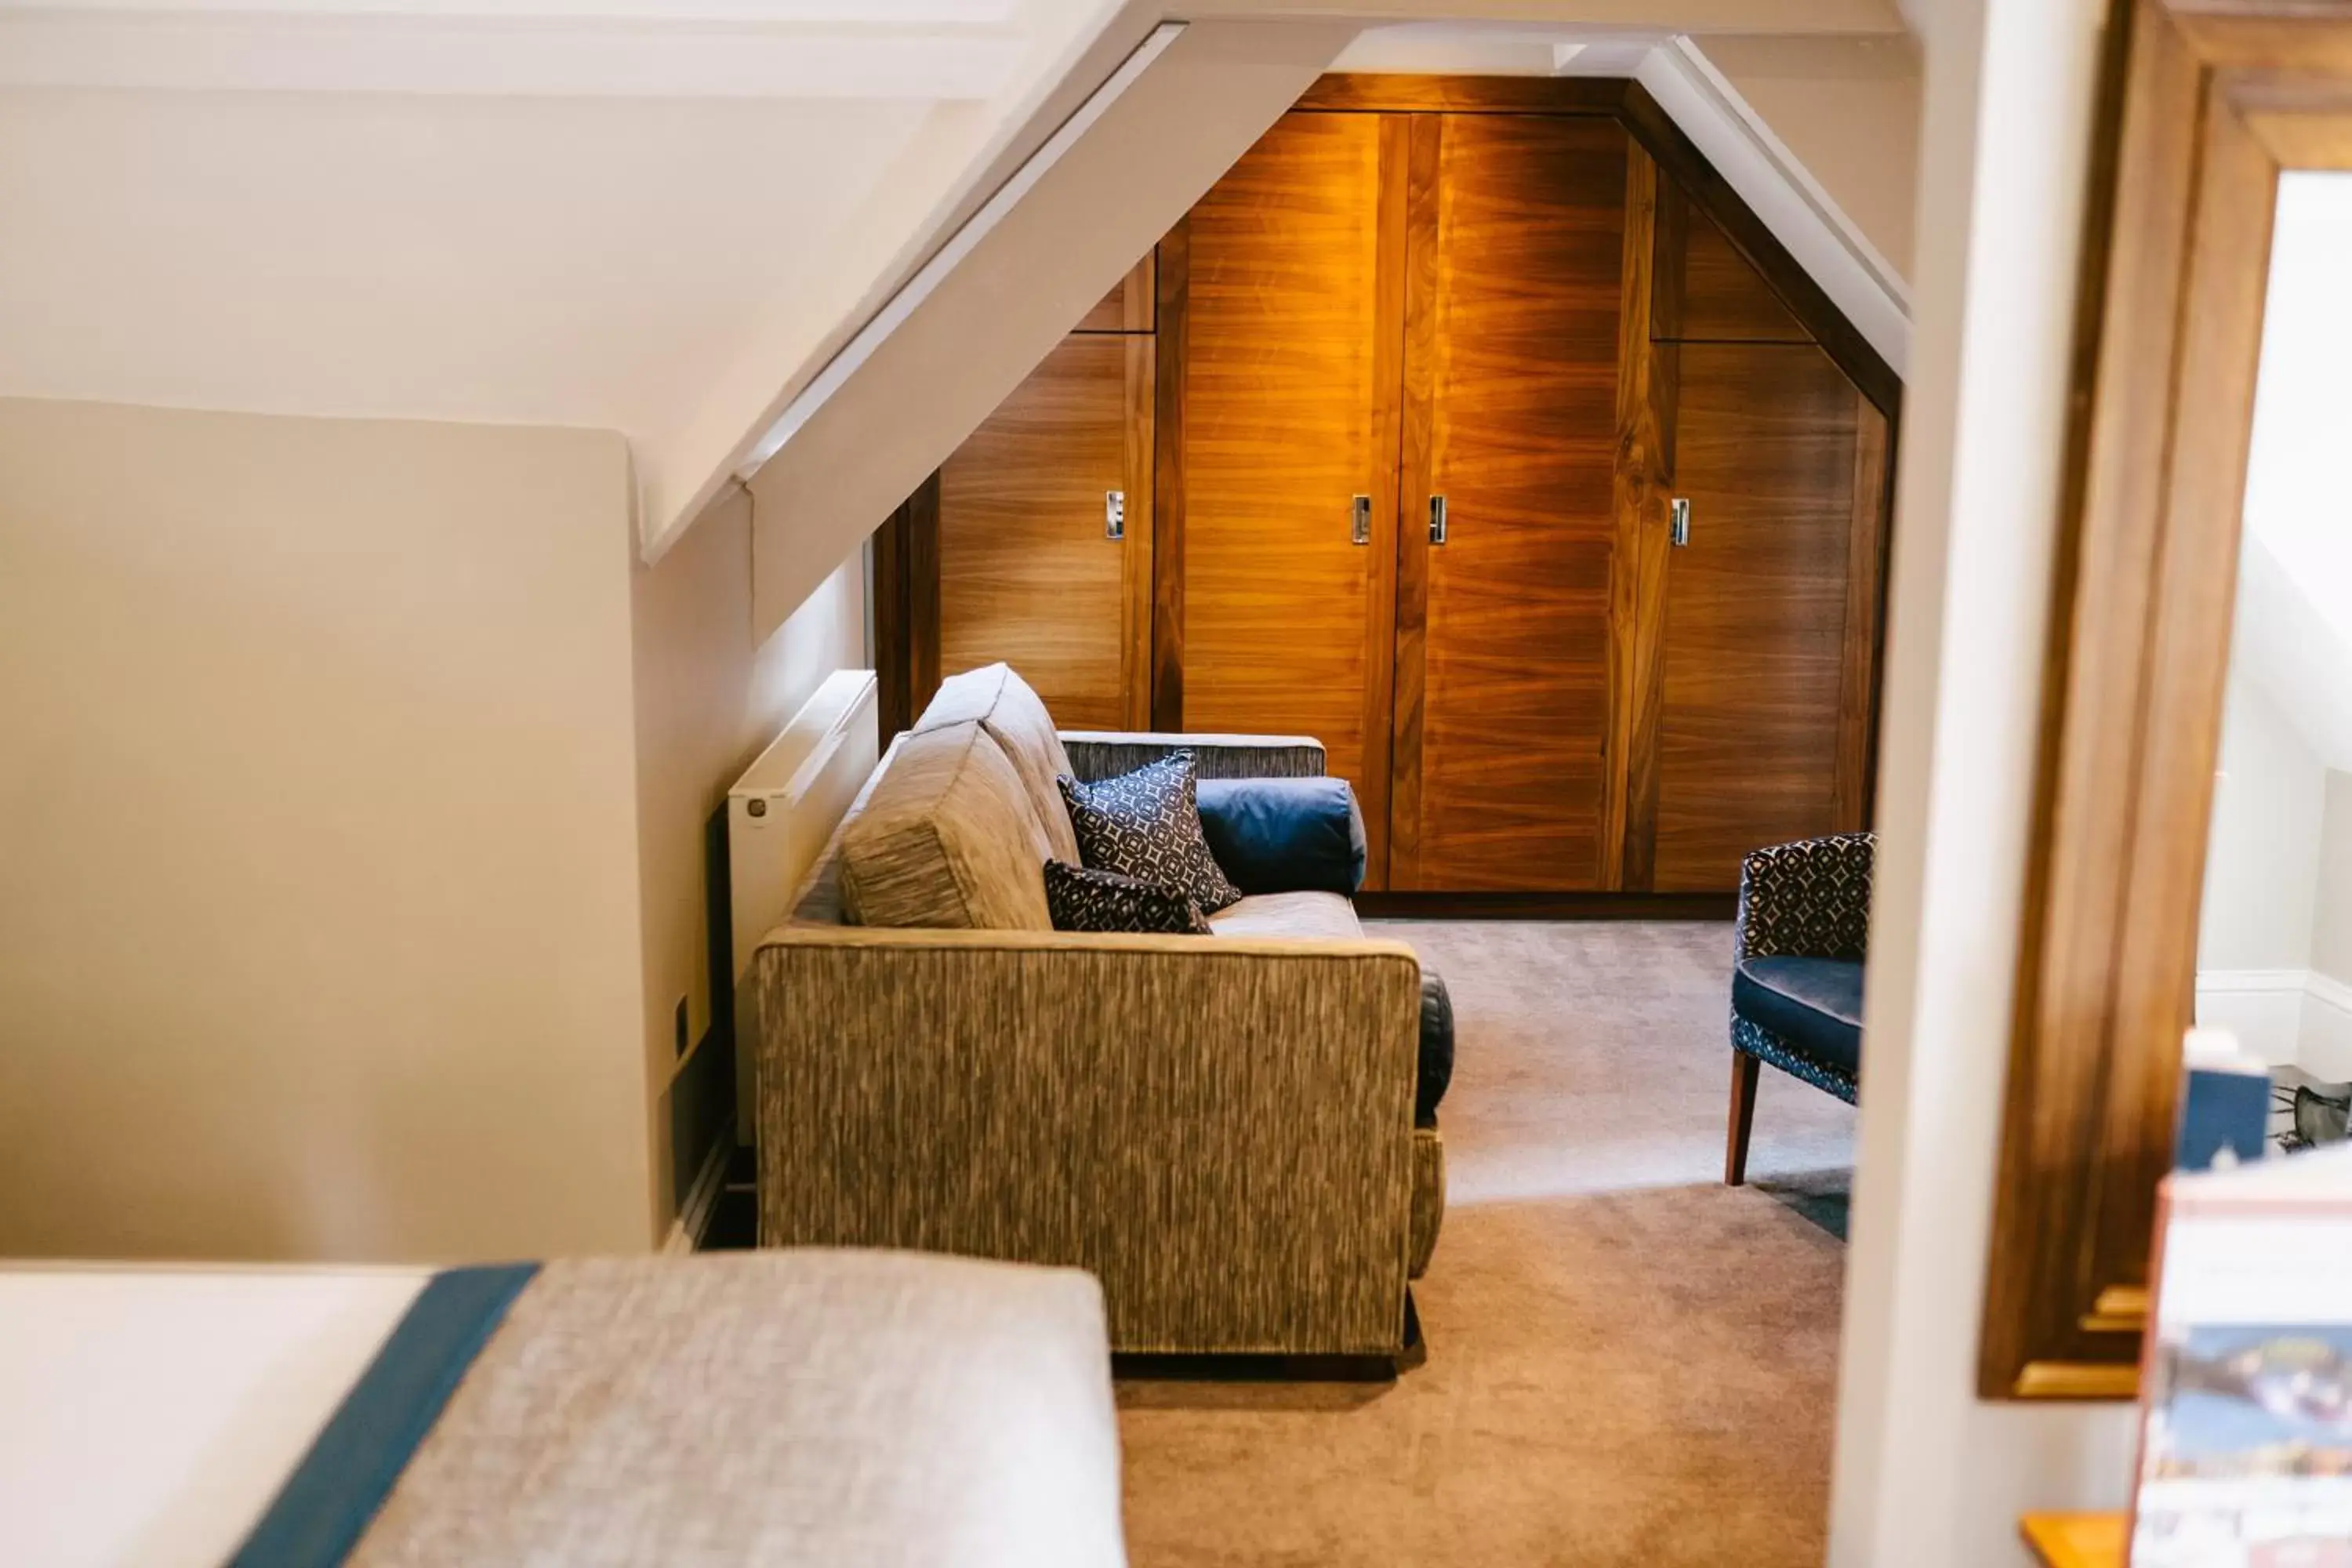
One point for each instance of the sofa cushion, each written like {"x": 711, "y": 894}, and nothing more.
{"x": 1080, "y": 899}
{"x": 1814, "y": 1004}
{"x": 1284, "y": 836}
{"x": 1289, "y": 914}
{"x": 1004, "y": 705}
{"x": 947, "y": 838}
{"x": 1146, "y": 825}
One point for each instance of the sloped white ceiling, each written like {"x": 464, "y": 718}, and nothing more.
{"x": 661, "y": 216}
{"x": 566, "y": 212}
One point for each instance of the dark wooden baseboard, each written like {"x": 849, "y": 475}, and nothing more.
{"x": 1549, "y": 906}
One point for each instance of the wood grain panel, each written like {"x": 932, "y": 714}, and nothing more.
{"x": 1525, "y": 299}
{"x": 1756, "y": 608}
{"x": 1280, "y": 430}
{"x": 1027, "y": 575}
{"x": 1172, "y": 292}
{"x": 1646, "y": 465}
{"x": 1128, "y": 308}
{"x": 1716, "y": 294}
{"x": 1865, "y": 587}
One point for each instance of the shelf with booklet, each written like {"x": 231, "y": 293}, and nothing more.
{"x": 2246, "y": 1392}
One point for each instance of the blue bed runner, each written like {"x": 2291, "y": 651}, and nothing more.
{"x": 327, "y": 1504}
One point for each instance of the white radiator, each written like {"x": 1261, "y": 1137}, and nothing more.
{"x": 781, "y": 811}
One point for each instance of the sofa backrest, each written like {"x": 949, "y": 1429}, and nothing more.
{"x": 1014, "y": 716}
{"x": 945, "y": 836}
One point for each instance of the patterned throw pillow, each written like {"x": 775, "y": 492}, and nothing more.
{"x": 1082, "y": 900}
{"x": 1146, "y": 825}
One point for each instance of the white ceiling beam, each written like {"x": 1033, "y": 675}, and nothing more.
{"x": 471, "y": 55}
{"x": 1783, "y": 193}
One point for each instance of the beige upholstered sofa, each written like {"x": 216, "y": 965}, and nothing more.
{"x": 1220, "y": 1129}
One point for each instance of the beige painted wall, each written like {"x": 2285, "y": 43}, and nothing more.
{"x": 2262, "y": 856}
{"x": 708, "y": 699}
{"x": 318, "y": 923}
{"x": 2331, "y": 931}
{"x": 1848, "y": 108}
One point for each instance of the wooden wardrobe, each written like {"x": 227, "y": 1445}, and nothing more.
{"x": 1475, "y": 428}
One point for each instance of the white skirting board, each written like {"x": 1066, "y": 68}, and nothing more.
{"x": 781, "y": 813}
{"x": 2288, "y": 1018}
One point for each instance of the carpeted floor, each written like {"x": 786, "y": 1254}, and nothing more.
{"x": 1628, "y": 1362}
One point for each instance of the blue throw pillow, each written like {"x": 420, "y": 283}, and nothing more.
{"x": 1284, "y": 836}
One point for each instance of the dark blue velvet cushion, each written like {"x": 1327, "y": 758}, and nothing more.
{"x": 1436, "y": 1050}
{"x": 1814, "y": 1004}
{"x": 1284, "y": 836}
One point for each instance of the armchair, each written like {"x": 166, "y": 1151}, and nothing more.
{"x": 1797, "y": 974}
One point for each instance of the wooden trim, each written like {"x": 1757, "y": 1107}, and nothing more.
{"x": 1640, "y": 494}
{"x": 1355, "y": 93}
{"x": 1873, "y": 473}
{"x": 893, "y": 709}
{"x": 2076, "y": 1380}
{"x": 1395, "y": 905}
{"x": 1416, "y": 469}
{"x": 1814, "y": 310}
{"x": 1174, "y": 288}
{"x": 1386, "y": 487}
{"x": 2176, "y": 266}
{"x": 1136, "y": 566}
{"x": 922, "y": 558}
{"x": 906, "y": 609}
{"x": 1128, "y": 308}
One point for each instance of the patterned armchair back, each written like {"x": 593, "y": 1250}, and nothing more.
{"x": 1808, "y": 900}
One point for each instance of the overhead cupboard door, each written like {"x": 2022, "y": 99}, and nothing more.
{"x": 1512, "y": 312}
{"x": 1285, "y": 627}
{"x": 1029, "y": 570}
{"x": 1755, "y": 639}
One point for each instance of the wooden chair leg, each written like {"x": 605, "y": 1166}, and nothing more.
{"x": 1744, "y": 1069}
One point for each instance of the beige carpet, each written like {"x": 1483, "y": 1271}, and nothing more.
{"x": 1628, "y": 1363}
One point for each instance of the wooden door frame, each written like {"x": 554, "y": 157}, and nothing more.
{"x": 2203, "y": 103}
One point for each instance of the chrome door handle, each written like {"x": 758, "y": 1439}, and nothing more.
{"x": 1114, "y": 514}
{"x": 1678, "y": 522}
{"x": 1359, "y": 528}
{"x": 1437, "y": 519}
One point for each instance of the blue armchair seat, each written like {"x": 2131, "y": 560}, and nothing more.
{"x": 1812, "y": 1004}
{"x": 1797, "y": 974}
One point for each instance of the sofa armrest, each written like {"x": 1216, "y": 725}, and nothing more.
{"x": 1807, "y": 899}
{"x": 1107, "y": 754}
{"x": 1220, "y": 1130}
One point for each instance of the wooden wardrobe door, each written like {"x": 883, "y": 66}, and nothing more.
{"x": 1513, "y": 305}
{"x": 1755, "y": 649}
{"x": 1027, "y": 572}
{"x": 1288, "y": 414}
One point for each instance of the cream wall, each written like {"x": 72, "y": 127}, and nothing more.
{"x": 1927, "y": 1475}
{"x": 708, "y": 699}
{"x": 2331, "y": 931}
{"x": 1848, "y": 109}
{"x": 2262, "y": 859}
{"x": 319, "y": 918}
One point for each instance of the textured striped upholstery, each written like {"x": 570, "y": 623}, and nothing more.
{"x": 1220, "y": 1131}
{"x": 1101, "y": 754}
{"x": 1004, "y": 705}
{"x": 1428, "y": 1196}
{"x": 864, "y": 1408}
{"x": 946, "y": 837}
